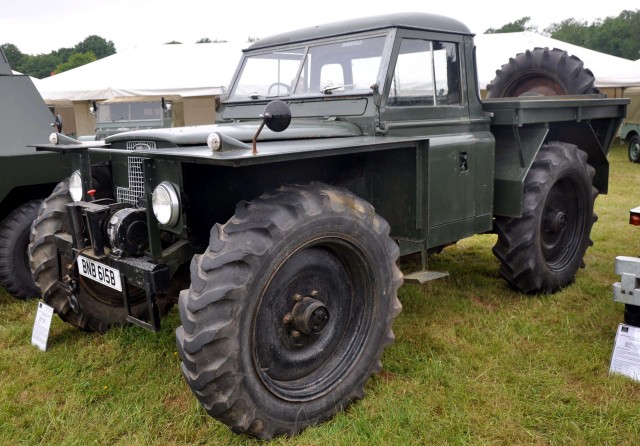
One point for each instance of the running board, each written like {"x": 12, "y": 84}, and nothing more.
{"x": 421, "y": 277}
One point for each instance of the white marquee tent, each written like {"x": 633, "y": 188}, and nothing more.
{"x": 185, "y": 70}
{"x": 204, "y": 69}
{"x": 200, "y": 72}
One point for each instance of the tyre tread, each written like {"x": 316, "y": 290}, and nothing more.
{"x": 209, "y": 309}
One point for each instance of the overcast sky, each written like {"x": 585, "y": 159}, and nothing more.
{"x": 41, "y": 26}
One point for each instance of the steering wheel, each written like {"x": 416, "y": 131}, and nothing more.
{"x": 278, "y": 84}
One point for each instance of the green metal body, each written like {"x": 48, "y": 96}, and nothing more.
{"x": 24, "y": 120}
{"x": 438, "y": 170}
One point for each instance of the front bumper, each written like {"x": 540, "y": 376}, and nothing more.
{"x": 87, "y": 238}
{"x": 153, "y": 278}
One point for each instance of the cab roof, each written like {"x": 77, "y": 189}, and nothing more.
{"x": 416, "y": 20}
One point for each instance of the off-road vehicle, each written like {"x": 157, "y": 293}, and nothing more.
{"x": 338, "y": 148}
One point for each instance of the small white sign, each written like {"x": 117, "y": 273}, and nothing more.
{"x": 41, "y": 326}
{"x": 625, "y": 359}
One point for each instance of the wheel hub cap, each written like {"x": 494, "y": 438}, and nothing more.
{"x": 310, "y": 316}
{"x": 556, "y": 221}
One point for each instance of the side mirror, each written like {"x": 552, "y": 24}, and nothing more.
{"x": 276, "y": 116}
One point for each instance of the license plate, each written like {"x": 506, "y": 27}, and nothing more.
{"x": 100, "y": 273}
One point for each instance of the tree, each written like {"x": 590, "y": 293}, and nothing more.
{"x": 204, "y": 40}
{"x": 614, "y": 35}
{"x": 76, "y": 60}
{"x": 14, "y": 55}
{"x": 571, "y": 31}
{"x": 618, "y": 35}
{"x": 99, "y": 46}
{"x": 514, "y": 27}
{"x": 39, "y": 66}
{"x": 173, "y": 42}
{"x": 63, "y": 53}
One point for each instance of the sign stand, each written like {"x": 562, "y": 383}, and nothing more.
{"x": 41, "y": 326}
{"x": 625, "y": 358}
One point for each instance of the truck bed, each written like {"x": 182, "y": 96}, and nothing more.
{"x": 540, "y": 109}
{"x": 522, "y": 125}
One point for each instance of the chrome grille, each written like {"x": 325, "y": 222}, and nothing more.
{"x": 136, "y": 180}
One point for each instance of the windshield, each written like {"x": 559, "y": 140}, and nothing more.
{"x": 350, "y": 66}
{"x": 130, "y": 111}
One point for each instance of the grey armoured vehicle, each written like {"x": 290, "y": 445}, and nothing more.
{"x": 26, "y": 176}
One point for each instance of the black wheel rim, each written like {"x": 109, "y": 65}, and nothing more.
{"x": 535, "y": 84}
{"x": 562, "y": 226}
{"x": 109, "y": 296}
{"x": 296, "y": 366}
{"x": 634, "y": 150}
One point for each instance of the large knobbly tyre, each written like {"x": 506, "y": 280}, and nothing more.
{"x": 96, "y": 307}
{"x": 544, "y": 72}
{"x": 634, "y": 149}
{"x": 289, "y": 309}
{"x": 542, "y": 250}
{"x": 15, "y": 273}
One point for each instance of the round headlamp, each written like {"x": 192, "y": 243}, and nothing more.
{"x": 75, "y": 186}
{"x": 53, "y": 138}
{"x": 165, "y": 204}
{"x": 213, "y": 141}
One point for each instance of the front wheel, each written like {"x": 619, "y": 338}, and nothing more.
{"x": 289, "y": 309}
{"x": 542, "y": 250}
{"x": 634, "y": 149}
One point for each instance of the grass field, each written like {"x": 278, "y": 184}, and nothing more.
{"x": 474, "y": 363}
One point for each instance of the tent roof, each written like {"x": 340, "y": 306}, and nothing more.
{"x": 201, "y": 69}
{"x": 494, "y": 50}
{"x": 204, "y": 69}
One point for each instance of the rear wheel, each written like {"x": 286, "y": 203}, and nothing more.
{"x": 92, "y": 306}
{"x": 634, "y": 149}
{"x": 15, "y": 273}
{"x": 289, "y": 310}
{"x": 542, "y": 250}
{"x": 542, "y": 72}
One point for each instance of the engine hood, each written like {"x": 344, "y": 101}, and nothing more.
{"x": 244, "y": 131}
